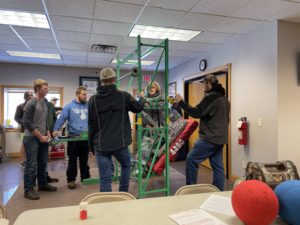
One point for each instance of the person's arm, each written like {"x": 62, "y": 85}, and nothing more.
{"x": 28, "y": 114}
{"x": 91, "y": 123}
{"x": 61, "y": 120}
{"x": 134, "y": 105}
{"x": 191, "y": 111}
{"x": 19, "y": 115}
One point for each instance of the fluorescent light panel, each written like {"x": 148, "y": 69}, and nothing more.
{"x": 131, "y": 61}
{"x": 25, "y": 19}
{"x": 163, "y": 33}
{"x": 34, "y": 55}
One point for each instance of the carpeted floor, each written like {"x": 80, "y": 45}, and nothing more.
{"x": 67, "y": 197}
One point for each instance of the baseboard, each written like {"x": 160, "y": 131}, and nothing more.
{"x": 14, "y": 154}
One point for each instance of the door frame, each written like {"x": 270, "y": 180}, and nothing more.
{"x": 220, "y": 70}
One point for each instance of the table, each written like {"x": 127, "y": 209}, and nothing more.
{"x": 4, "y": 221}
{"x": 150, "y": 211}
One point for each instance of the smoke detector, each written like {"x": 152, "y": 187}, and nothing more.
{"x": 103, "y": 48}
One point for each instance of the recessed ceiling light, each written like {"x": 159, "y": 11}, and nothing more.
{"x": 163, "y": 33}
{"x": 25, "y": 19}
{"x": 134, "y": 62}
{"x": 34, "y": 55}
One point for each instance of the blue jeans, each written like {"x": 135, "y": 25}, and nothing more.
{"x": 201, "y": 151}
{"x": 104, "y": 162}
{"x": 36, "y": 162}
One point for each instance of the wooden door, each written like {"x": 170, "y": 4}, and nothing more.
{"x": 195, "y": 95}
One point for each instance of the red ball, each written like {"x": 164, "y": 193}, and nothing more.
{"x": 255, "y": 203}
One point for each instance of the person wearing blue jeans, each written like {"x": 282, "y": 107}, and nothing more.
{"x": 200, "y": 152}
{"x": 110, "y": 130}
{"x": 36, "y": 141}
{"x": 213, "y": 112}
{"x": 104, "y": 160}
{"x": 36, "y": 163}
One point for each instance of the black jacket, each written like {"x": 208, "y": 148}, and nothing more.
{"x": 213, "y": 111}
{"x": 108, "y": 119}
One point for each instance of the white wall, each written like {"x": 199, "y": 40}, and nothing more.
{"x": 58, "y": 76}
{"x": 288, "y": 92}
{"x": 253, "y": 90}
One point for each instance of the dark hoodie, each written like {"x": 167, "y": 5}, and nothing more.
{"x": 213, "y": 111}
{"x": 108, "y": 119}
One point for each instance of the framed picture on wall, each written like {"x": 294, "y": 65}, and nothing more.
{"x": 172, "y": 89}
{"x": 91, "y": 84}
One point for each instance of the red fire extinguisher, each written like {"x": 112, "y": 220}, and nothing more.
{"x": 243, "y": 131}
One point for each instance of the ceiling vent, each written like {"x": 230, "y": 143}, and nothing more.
{"x": 103, "y": 48}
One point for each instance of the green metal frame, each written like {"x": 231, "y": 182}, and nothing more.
{"x": 161, "y": 134}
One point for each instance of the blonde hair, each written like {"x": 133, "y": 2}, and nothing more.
{"x": 38, "y": 83}
{"x": 155, "y": 84}
{"x": 80, "y": 89}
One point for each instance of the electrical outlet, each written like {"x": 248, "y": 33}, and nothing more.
{"x": 244, "y": 164}
{"x": 259, "y": 122}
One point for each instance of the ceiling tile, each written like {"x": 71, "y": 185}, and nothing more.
{"x": 71, "y": 24}
{"x": 32, "y": 42}
{"x": 212, "y": 37}
{"x": 118, "y": 12}
{"x": 235, "y": 25}
{"x": 13, "y": 47}
{"x": 72, "y": 36}
{"x": 196, "y": 21}
{"x": 29, "y": 32}
{"x": 10, "y": 40}
{"x": 106, "y": 39}
{"x": 262, "y": 9}
{"x": 81, "y": 46}
{"x": 287, "y": 14}
{"x": 110, "y": 28}
{"x": 174, "y": 4}
{"x": 6, "y": 31}
{"x": 45, "y": 50}
{"x": 160, "y": 17}
{"x": 74, "y": 52}
{"x": 73, "y": 58}
{"x": 137, "y": 2}
{"x": 219, "y": 7}
{"x": 74, "y": 8}
{"x": 99, "y": 56}
{"x": 19, "y": 5}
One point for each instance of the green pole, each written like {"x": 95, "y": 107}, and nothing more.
{"x": 140, "y": 166}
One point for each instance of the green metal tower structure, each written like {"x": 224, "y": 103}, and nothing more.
{"x": 158, "y": 135}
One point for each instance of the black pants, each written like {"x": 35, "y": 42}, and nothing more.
{"x": 78, "y": 149}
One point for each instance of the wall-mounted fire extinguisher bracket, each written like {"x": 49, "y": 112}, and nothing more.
{"x": 242, "y": 126}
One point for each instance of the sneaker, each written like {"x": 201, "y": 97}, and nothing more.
{"x": 48, "y": 188}
{"x": 71, "y": 185}
{"x": 31, "y": 195}
{"x": 22, "y": 165}
{"x": 52, "y": 179}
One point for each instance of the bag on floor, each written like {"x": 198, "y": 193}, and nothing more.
{"x": 272, "y": 174}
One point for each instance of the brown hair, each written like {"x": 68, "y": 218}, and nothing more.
{"x": 38, "y": 83}
{"x": 155, "y": 84}
{"x": 80, "y": 89}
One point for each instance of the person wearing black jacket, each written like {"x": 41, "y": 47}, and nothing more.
{"x": 213, "y": 111}
{"x": 19, "y": 119}
{"x": 110, "y": 130}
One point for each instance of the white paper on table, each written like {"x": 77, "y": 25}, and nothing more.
{"x": 194, "y": 217}
{"x": 219, "y": 204}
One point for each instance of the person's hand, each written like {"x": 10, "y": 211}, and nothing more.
{"x": 142, "y": 94}
{"x": 44, "y": 139}
{"x": 178, "y": 98}
{"x": 55, "y": 133}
